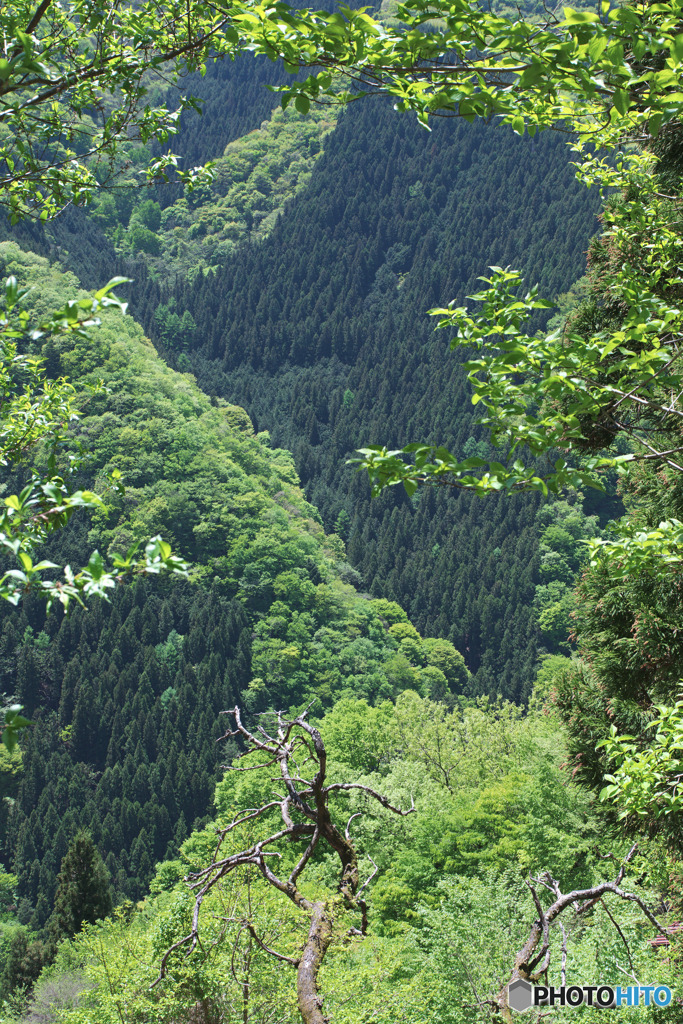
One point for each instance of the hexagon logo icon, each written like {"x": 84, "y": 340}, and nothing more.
{"x": 520, "y": 995}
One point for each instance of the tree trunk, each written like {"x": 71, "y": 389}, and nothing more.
{"x": 319, "y": 938}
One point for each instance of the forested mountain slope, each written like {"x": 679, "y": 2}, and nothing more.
{"x": 126, "y": 697}
{"x": 321, "y": 332}
{"x": 320, "y": 328}
{"x": 233, "y": 99}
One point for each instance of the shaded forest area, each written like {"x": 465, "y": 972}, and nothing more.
{"x": 321, "y": 333}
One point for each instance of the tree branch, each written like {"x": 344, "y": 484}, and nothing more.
{"x": 373, "y": 793}
{"x": 308, "y": 797}
{"x": 37, "y": 17}
{"x": 583, "y": 900}
{"x": 294, "y": 961}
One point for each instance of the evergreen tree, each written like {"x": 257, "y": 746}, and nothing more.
{"x": 23, "y": 963}
{"x": 83, "y": 892}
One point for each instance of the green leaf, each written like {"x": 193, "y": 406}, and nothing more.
{"x": 621, "y": 101}
{"x": 573, "y": 17}
{"x": 114, "y": 282}
{"x": 596, "y": 47}
{"x": 25, "y": 560}
{"x": 531, "y": 75}
{"x": 96, "y": 565}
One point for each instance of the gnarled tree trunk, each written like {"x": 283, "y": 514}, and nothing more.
{"x": 319, "y": 938}
{"x": 305, "y": 799}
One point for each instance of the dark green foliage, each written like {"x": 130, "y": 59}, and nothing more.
{"x": 22, "y": 962}
{"x": 83, "y": 891}
{"x": 627, "y": 625}
{"x": 73, "y": 239}
{"x": 176, "y": 332}
{"x": 320, "y": 332}
{"x": 628, "y": 632}
{"x": 234, "y": 101}
{"x": 126, "y": 701}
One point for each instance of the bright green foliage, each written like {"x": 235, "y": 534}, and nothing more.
{"x": 459, "y": 748}
{"x": 10, "y": 776}
{"x": 71, "y": 84}
{"x": 574, "y": 389}
{"x": 251, "y": 183}
{"x": 645, "y": 780}
{"x": 442, "y": 655}
{"x": 389, "y": 611}
{"x": 449, "y": 900}
{"x": 360, "y": 737}
{"x": 631, "y": 550}
{"x": 525, "y": 73}
{"x": 186, "y": 468}
{"x": 37, "y": 416}
{"x": 141, "y": 239}
{"x": 469, "y": 939}
{"x": 14, "y": 725}
{"x": 230, "y": 978}
{"x": 486, "y": 787}
{"x": 323, "y": 643}
{"x": 566, "y": 530}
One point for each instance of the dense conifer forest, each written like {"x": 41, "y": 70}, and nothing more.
{"x": 321, "y": 334}
{"x": 453, "y": 698}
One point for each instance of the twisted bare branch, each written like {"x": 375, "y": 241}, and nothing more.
{"x": 526, "y": 965}
{"x": 305, "y": 813}
{"x": 373, "y": 793}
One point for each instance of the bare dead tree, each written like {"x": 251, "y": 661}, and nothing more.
{"x": 533, "y": 959}
{"x": 305, "y": 814}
